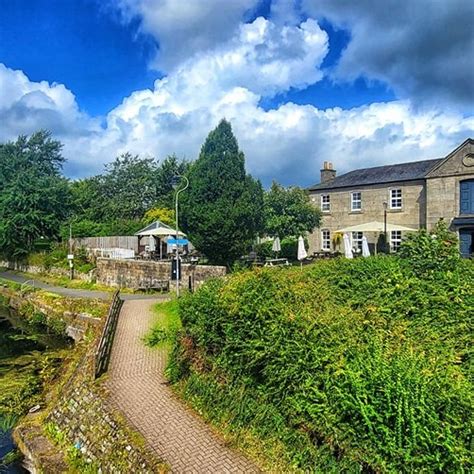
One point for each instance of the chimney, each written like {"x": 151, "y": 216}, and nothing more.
{"x": 327, "y": 173}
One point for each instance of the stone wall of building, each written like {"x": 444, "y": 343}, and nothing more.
{"x": 143, "y": 274}
{"x": 411, "y": 215}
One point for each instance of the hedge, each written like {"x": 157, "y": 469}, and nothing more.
{"x": 347, "y": 365}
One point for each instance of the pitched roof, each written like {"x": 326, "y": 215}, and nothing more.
{"x": 381, "y": 174}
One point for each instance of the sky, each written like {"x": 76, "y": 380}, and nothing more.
{"x": 360, "y": 83}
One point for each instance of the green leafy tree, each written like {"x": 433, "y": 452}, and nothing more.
{"x": 222, "y": 208}
{"x": 34, "y": 197}
{"x": 289, "y": 212}
{"x": 129, "y": 186}
{"x": 166, "y": 171}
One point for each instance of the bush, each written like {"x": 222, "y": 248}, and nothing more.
{"x": 431, "y": 251}
{"x": 350, "y": 365}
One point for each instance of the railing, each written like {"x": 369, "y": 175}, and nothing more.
{"x": 102, "y": 355}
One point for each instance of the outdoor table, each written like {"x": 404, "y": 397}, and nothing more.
{"x": 276, "y": 261}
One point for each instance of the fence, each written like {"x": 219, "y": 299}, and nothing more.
{"x": 129, "y": 242}
{"x": 102, "y": 355}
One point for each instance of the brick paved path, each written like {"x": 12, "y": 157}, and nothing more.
{"x": 138, "y": 388}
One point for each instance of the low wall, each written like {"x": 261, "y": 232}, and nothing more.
{"x": 141, "y": 274}
{"x": 53, "y": 271}
{"x": 73, "y": 324}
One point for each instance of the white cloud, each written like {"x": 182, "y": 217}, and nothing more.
{"x": 261, "y": 59}
{"x": 184, "y": 28}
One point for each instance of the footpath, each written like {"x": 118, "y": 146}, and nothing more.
{"x": 138, "y": 388}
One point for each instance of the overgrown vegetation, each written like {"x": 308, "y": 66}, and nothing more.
{"x": 166, "y": 325}
{"x": 346, "y": 366}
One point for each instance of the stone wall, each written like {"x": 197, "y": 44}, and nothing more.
{"x": 142, "y": 274}
{"x": 53, "y": 271}
{"x": 74, "y": 324}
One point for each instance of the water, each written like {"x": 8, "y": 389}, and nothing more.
{"x": 18, "y": 341}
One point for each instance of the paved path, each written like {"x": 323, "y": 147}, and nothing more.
{"x": 139, "y": 389}
{"x": 70, "y": 292}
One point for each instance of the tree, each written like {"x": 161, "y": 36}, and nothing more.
{"x": 289, "y": 212}
{"x": 129, "y": 186}
{"x": 34, "y": 197}
{"x": 167, "y": 170}
{"x": 222, "y": 208}
{"x": 162, "y": 214}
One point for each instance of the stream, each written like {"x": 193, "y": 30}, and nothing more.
{"x": 23, "y": 350}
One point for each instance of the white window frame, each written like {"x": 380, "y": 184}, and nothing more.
{"x": 356, "y": 242}
{"x": 397, "y": 241}
{"x": 325, "y": 240}
{"x": 395, "y": 198}
{"x": 326, "y": 206}
{"x": 355, "y": 201}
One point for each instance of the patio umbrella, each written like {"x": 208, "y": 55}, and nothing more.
{"x": 375, "y": 226}
{"x": 151, "y": 243}
{"x": 276, "y": 247}
{"x": 301, "y": 250}
{"x": 347, "y": 247}
{"x": 365, "y": 247}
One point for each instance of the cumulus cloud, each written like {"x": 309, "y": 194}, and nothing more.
{"x": 262, "y": 58}
{"x": 184, "y": 28}
{"x": 422, "y": 48}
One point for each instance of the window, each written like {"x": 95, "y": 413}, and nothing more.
{"x": 395, "y": 199}
{"x": 325, "y": 203}
{"x": 357, "y": 241}
{"x": 395, "y": 240}
{"x": 467, "y": 197}
{"x": 356, "y": 201}
{"x": 326, "y": 239}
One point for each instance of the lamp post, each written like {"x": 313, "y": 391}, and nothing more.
{"x": 176, "y": 181}
{"x": 385, "y": 204}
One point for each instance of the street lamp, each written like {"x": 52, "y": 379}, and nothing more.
{"x": 176, "y": 180}
{"x": 385, "y": 205}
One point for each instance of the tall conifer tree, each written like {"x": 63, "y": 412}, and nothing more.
{"x": 222, "y": 210}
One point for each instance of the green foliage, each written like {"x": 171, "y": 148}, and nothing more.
{"x": 162, "y": 214}
{"x": 222, "y": 208}
{"x": 166, "y": 325}
{"x": 430, "y": 252}
{"x": 34, "y": 197}
{"x": 352, "y": 365}
{"x": 289, "y": 212}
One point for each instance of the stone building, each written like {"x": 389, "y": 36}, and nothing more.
{"x": 397, "y": 198}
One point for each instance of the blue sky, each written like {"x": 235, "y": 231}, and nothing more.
{"x": 301, "y": 81}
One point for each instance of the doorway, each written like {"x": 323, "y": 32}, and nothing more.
{"x": 466, "y": 241}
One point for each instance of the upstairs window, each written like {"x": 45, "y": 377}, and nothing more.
{"x": 356, "y": 201}
{"x": 396, "y": 199}
{"x": 395, "y": 240}
{"x": 325, "y": 203}
{"x": 467, "y": 197}
{"x": 326, "y": 239}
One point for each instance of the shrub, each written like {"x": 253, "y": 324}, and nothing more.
{"x": 431, "y": 251}
{"x": 350, "y": 365}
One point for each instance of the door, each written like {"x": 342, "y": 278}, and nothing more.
{"x": 466, "y": 237}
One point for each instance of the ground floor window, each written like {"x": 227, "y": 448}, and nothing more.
{"x": 395, "y": 240}
{"x": 326, "y": 239}
{"x": 357, "y": 241}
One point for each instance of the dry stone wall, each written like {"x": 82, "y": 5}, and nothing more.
{"x": 143, "y": 274}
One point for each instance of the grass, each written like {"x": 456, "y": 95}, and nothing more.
{"x": 165, "y": 325}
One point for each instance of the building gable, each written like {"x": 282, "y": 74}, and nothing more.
{"x": 458, "y": 162}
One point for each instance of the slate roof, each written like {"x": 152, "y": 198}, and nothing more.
{"x": 380, "y": 175}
